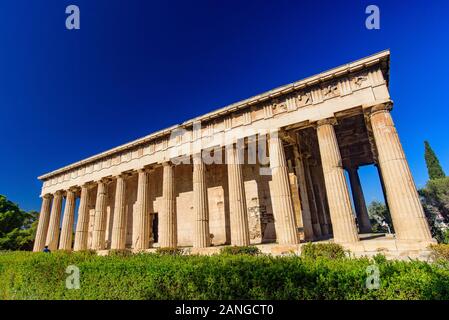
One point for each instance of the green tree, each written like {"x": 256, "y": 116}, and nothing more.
{"x": 11, "y": 217}
{"x": 379, "y": 217}
{"x": 17, "y": 227}
{"x": 435, "y": 197}
{"x": 433, "y": 164}
{"x": 435, "y": 201}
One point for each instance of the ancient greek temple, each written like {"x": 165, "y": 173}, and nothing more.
{"x": 280, "y": 167}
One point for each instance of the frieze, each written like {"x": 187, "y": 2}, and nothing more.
{"x": 304, "y": 98}
{"x": 360, "y": 80}
{"x": 330, "y": 90}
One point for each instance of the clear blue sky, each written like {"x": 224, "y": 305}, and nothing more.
{"x": 139, "y": 66}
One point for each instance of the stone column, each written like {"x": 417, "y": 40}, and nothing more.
{"x": 359, "y": 201}
{"x": 42, "y": 227}
{"x": 343, "y": 223}
{"x": 405, "y": 208}
{"x": 118, "y": 241}
{"x": 237, "y": 198}
{"x": 168, "y": 234}
{"x": 65, "y": 242}
{"x": 321, "y": 200}
{"x": 305, "y": 205}
{"x": 82, "y": 225}
{"x": 317, "y": 232}
{"x": 141, "y": 218}
{"x": 99, "y": 231}
{"x": 201, "y": 237}
{"x": 284, "y": 214}
{"x": 382, "y": 184}
{"x": 55, "y": 220}
{"x": 324, "y": 201}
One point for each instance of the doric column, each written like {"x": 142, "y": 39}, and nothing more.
{"x": 305, "y": 205}
{"x": 359, "y": 201}
{"x": 317, "y": 232}
{"x": 324, "y": 202}
{"x": 284, "y": 214}
{"x": 82, "y": 224}
{"x": 321, "y": 200}
{"x": 237, "y": 198}
{"x": 405, "y": 208}
{"x": 118, "y": 241}
{"x": 99, "y": 231}
{"x": 343, "y": 224}
{"x": 42, "y": 227}
{"x": 201, "y": 237}
{"x": 55, "y": 220}
{"x": 168, "y": 234}
{"x": 65, "y": 243}
{"x": 382, "y": 184}
{"x": 141, "y": 218}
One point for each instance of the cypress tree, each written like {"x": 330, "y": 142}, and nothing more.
{"x": 433, "y": 164}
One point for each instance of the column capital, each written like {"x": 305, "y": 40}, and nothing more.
{"x": 47, "y": 196}
{"x": 73, "y": 189}
{"x": 167, "y": 163}
{"x": 383, "y": 107}
{"x": 105, "y": 180}
{"x": 144, "y": 170}
{"x": 332, "y": 121}
{"x": 88, "y": 185}
{"x": 124, "y": 175}
{"x": 58, "y": 193}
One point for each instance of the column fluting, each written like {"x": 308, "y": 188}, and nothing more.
{"x": 141, "y": 218}
{"x": 168, "y": 222}
{"x": 405, "y": 208}
{"x": 359, "y": 201}
{"x": 55, "y": 220}
{"x": 82, "y": 224}
{"x": 201, "y": 237}
{"x": 343, "y": 222}
{"x": 68, "y": 219}
{"x": 237, "y": 198}
{"x": 317, "y": 231}
{"x": 118, "y": 241}
{"x": 284, "y": 213}
{"x": 305, "y": 205}
{"x": 42, "y": 227}
{"x": 99, "y": 231}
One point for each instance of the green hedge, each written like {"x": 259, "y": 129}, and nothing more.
{"x": 25, "y": 275}
{"x": 250, "y": 250}
{"x": 322, "y": 250}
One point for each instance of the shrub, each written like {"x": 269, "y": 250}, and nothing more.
{"x": 120, "y": 253}
{"x": 248, "y": 250}
{"x": 26, "y": 275}
{"x": 169, "y": 251}
{"x": 322, "y": 250}
{"x": 440, "y": 252}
